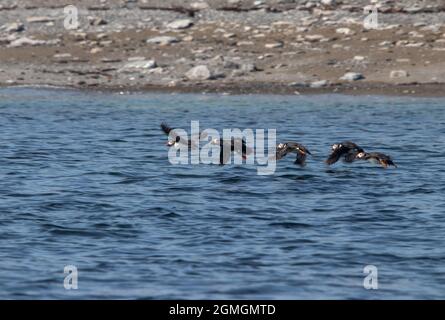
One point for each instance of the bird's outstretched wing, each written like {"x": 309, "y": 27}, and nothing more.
{"x": 166, "y": 128}
{"x": 347, "y": 149}
{"x": 336, "y": 154}
{"x": 383, "y": 159}
{"x": 225, "y": 151}
{"x": 301, "y": 159}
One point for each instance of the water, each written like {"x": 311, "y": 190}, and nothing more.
{"x": 85, "y": 181}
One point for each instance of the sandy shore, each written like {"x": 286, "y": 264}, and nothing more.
{"x": 290, "y": 47}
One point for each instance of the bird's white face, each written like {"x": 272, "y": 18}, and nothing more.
{"x": 360, "y": 155}
{"x": 281, "y": 145}
{"x": 335, "y": 146}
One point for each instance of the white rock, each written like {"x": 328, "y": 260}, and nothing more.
{"x": 26, "y": 42}
{"x": 14, "y": 27}
{"x": 319, "y": 84}
{"x": 199, "y": 5}
{"x": 273, "y": 45}
{"x": 352, "y": 76}
{"x": 328, "y": 2}
{"x": 62, "y": 55}
{"x": 345, "y": 31}
{"x": 398, "y": 74}
{"x": 359, "y": 58}
{"x": 139, "y": 58}
{"x": 414, "y": 44}
{"x": 314, "y": 37}
{"x": 200, "y": 72}
{"x": 180, "y": 24}
{"x": 141, "y": 64}
{"x": 96, "y": 50}
{"x": 248, "y": 67}
{"x": 163, "y": 40}
{"x": 39, "y": 19}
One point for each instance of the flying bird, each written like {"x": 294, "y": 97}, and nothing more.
{"x": 285, "y": 148}
{"x": 347, "y": 150}
{"x": 376, "y": 157}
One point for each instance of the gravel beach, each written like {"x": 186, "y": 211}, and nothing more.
{"x": 226, "y": 46}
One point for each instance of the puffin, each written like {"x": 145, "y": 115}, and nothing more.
{"x": 292, "y": 147}
{"x": 347, "y": 149}
{"x": 176, "y": 138}
{"x": 377, "y": 157}
{"x": 237, "y": 145}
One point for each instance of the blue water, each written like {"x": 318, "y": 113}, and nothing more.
{"x": 85, "y": 181}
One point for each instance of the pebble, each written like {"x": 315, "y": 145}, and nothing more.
{"x": 39, "y": 19}
{"x": 163, "y": 40}
{"x": 352, "y": 76}
{"x": 180, "y": 24}
{"x": 14, "y": 27}
{"x": 398, "y": 74}
{"x": 319, "y": 84}
{"x": 200, "y": 72}
{"x": 273, "y": 45}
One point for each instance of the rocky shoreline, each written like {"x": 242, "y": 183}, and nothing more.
{"x": 226, "y": 46}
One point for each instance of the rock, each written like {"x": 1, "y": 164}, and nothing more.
{"x": 230, "y": 65}
{"x": 398, "y": 74}
{"x": 314, "y": 37}
{"x": 26, "y": 42}
{"x": 139, "y": 65}
{"x": 98, "y": 21}
{"x": 200, "y": 72}
{"x": 248, "y": 67}
{"x": 135, "y": 59}
{"x": 199, "y": 5}
{"x": 80, "y": 36}
{"x": 180, "y": 24}
{"x": 328, "y": 3}
{"x": 96, "y": 50}
{"x": 319, "y": 84}
{"x": 39, "y": 19}
{"x": 414, "y": 44}
{"x": 245, "y": 43}
{"x": 352, "y": 76}
{"x": 163, "y": 40}
{"x": 14, "y": 27}
{"x": 359, "y": 58}
{"x": 110, "y": 60}
{"x": 62, "y": 55}
{"x": 345, "y": 31}
{"x": 413, "y": 9}
{"x": 229, "y": 35}
{"x": 273, "y": 45}
{"x": 298, "y": 84}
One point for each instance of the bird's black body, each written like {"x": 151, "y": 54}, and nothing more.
{"x": 292, "y": 147}
{"x": 347, "y": 149}
{"x": 234, "y": 145}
